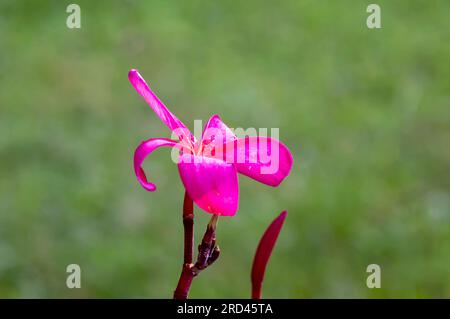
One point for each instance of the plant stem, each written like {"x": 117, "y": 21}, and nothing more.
{"x": 188, "y": 223}
{"x": 185, "y": 281}
{"x": 208, "y": 251}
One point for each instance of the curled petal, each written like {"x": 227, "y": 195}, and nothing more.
{"x": 211, "y": 183}
{"x": 262, "y": 158}
{"x": 142, "y": 151}
{"x": 160, "y": 109}
{"x": 263, "y": 253}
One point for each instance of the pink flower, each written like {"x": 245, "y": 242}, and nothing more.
{"x": 209, "y": 167}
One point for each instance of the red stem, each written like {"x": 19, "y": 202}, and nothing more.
{"x": 208, "y": 251}
{"x": 185, "y": 281}
{"x": 188, "y": 223}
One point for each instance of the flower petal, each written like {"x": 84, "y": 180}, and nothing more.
{"x": 142, "y": 151}
{"x": 263, "y": 252}
{"x": 160, "y": 109}
{"x": 215, "y": 127}
{"x": 211, "y": 183}
{"x": 264, "y": 159}
{"x": 215, "y": 134}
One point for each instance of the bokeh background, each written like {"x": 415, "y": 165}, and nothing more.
{"x": 365, "y": 112}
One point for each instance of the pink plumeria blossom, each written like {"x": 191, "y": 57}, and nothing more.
{"x": 208, "y": 168}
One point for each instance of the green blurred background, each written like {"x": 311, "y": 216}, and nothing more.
{"x": 365, "y": 112}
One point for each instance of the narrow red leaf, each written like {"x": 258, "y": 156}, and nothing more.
{"x": 263, "y": 253}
